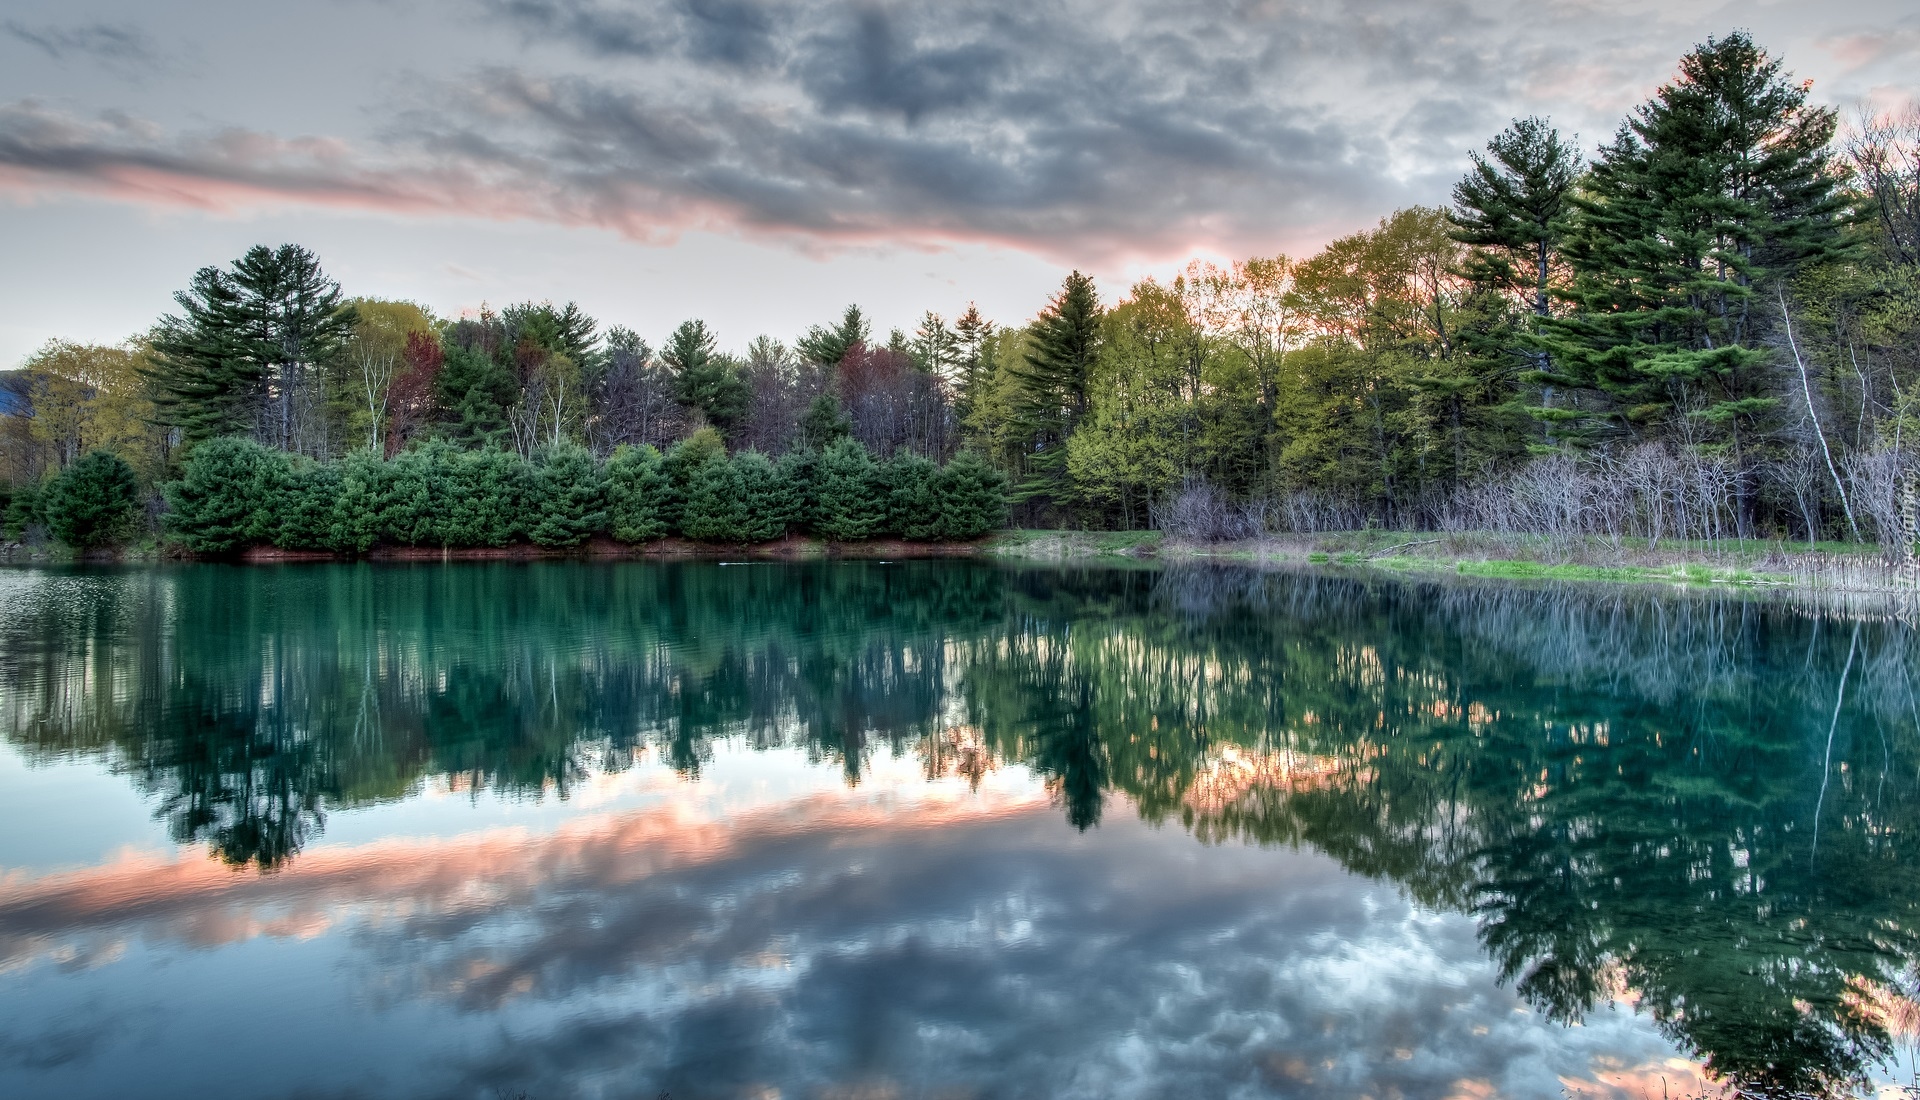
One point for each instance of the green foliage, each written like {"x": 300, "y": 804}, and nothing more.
{"x": 1051, "y": 387}
{"x": 572, "y": 498}
{"x": 1719, "y": 184}
{"x": 850, "y": 501}
{"x": 912, "y": 510}
{"x": 490, "y": 494}
{"x": 637, "y": 493}
{"x": 227, "y": 496}
{"x": 769, "y": 502}
{"x": 703, "y": 379}
{"x": 476, "y": 390}
{"x": 824, "y": 424}
{"x": 828, "y": 345}
{"x": 970, "y": 497}
{"x": 243, "y": 342}
{"x": 24, "y": 512}
{"x": 716, "y": 508}
{"x": 679, "y": 465}
{"x": 359, "y": 503}
{"x": 94, "y": 503}
{"x": 800, "y": 480}
{"x": 304, "y": 506}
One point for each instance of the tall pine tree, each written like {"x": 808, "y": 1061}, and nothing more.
{"x": 1051, "y": 381}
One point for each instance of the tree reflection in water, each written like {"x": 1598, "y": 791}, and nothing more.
{"x": 1703, "y": 803}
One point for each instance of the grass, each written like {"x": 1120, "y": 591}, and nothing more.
{"x": 1841, "y": 566}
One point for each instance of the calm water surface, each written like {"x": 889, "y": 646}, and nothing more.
{"x": 944, "y": 829}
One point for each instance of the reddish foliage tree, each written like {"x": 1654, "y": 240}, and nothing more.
{"x": 410, "y": 396}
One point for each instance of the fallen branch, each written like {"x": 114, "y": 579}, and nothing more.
{"x": 1401, "y": 546}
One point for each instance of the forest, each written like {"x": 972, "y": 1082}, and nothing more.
{"x": 1706, "y": 328}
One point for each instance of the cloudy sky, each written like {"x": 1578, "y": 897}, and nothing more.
{"x": 760, "y": 163}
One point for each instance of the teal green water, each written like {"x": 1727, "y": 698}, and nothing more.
{"x": 944, "y": 829}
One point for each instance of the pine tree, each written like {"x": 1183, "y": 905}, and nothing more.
{"x": 704, "y": 379}
{"x": 490, "y": 494}
{"x": 850, "y": 504}
{"x": 303, "y": 508}
{"x": 716, "y": 508}
{"x": 1051, "y": 382}
{"x": 1719, "y": 184}
{"x": 824, "y": 423}
{"x": 800, "y": 476}
{"x": 636, "y": 494}
{"x": 359, "y": 503}
{"x": 678, "y": 466}
{"x": 766, "y": 495}
{"x": 912, "y": 510}
{"x": 572, "y": 497}
{"x": 238, "y": 356}
{"x": 970, "y": 497}
{"x": 476, "y": 390}
{"x": 94, "y": 503}
{"x": 227, "y": 494}
{"x": 827, "y": 346}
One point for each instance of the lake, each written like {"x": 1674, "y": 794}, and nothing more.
{"x": 945, "y": 829}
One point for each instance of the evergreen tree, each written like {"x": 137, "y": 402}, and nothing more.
{"x": 704, "y": 379}
{"x": 912, "y": 510}
{"x": 1721, "y": 183}
{"x": 303, "y": 508}
{"x": 637, "y": 493}
{"x": 1051, "y": 382}
{"x": 573, "y": 499}
{"x": 800, "y": 480}
{"x": 824, "y": 423}
{"x": 238, "y": 355}
{"x": 476, "y": 390}
{"x": 850, "y": 503}
{"x": 227, "y": 494}
{"x": 827, "y": 346}
{"x": 682, "y": 460}
{"x": 359, "y": 503}
{"x": 970, "y": 497}
{"x": 767, "y": 498}
{"x": 1510, "y": 208}
{"x": 716, "y": 508}
{"x": 490, "y": 495}
{"x": 416, "y": 497}
{"x": 94, "y": 503}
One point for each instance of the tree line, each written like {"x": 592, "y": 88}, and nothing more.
{"x": 1705, "y": 329}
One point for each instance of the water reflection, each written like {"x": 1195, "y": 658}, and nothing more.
{"x": 1700, "y": 806}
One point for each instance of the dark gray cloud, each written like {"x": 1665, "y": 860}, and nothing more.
{"x": 1081, "y": 129}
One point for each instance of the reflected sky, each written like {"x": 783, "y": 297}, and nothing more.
{"x": 944, "y": 829}
{"x": 897, "y": 939}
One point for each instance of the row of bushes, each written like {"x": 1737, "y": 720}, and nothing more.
{"x": 235, "y": 493}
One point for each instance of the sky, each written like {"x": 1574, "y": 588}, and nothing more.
{"x": 762, "y": 163}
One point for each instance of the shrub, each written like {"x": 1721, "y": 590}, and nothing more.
{"x": 303, "y": 509}
{"x": 226, "y": 496}
{"x": 487, "y": 495}
{"x": 23, "y": 511}
{"x": 768, "y": 499}
{"x": 636, "y": 494}
{"x": 414, "y": 509}
{"x": 970, "y": 496}
{"x": 716, "y": 507}
{"x": 800, "y": 477}
{"x": 850, "y": 504}
{"x": 359, "y": 503}
{"x": 912, "y": 511}
{"x": 572, "y": 498}
{"x": 94, "y": 503}
{"x": 681, "y": 460}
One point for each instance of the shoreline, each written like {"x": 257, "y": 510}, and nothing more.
{"x": 1752, "y": 563}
